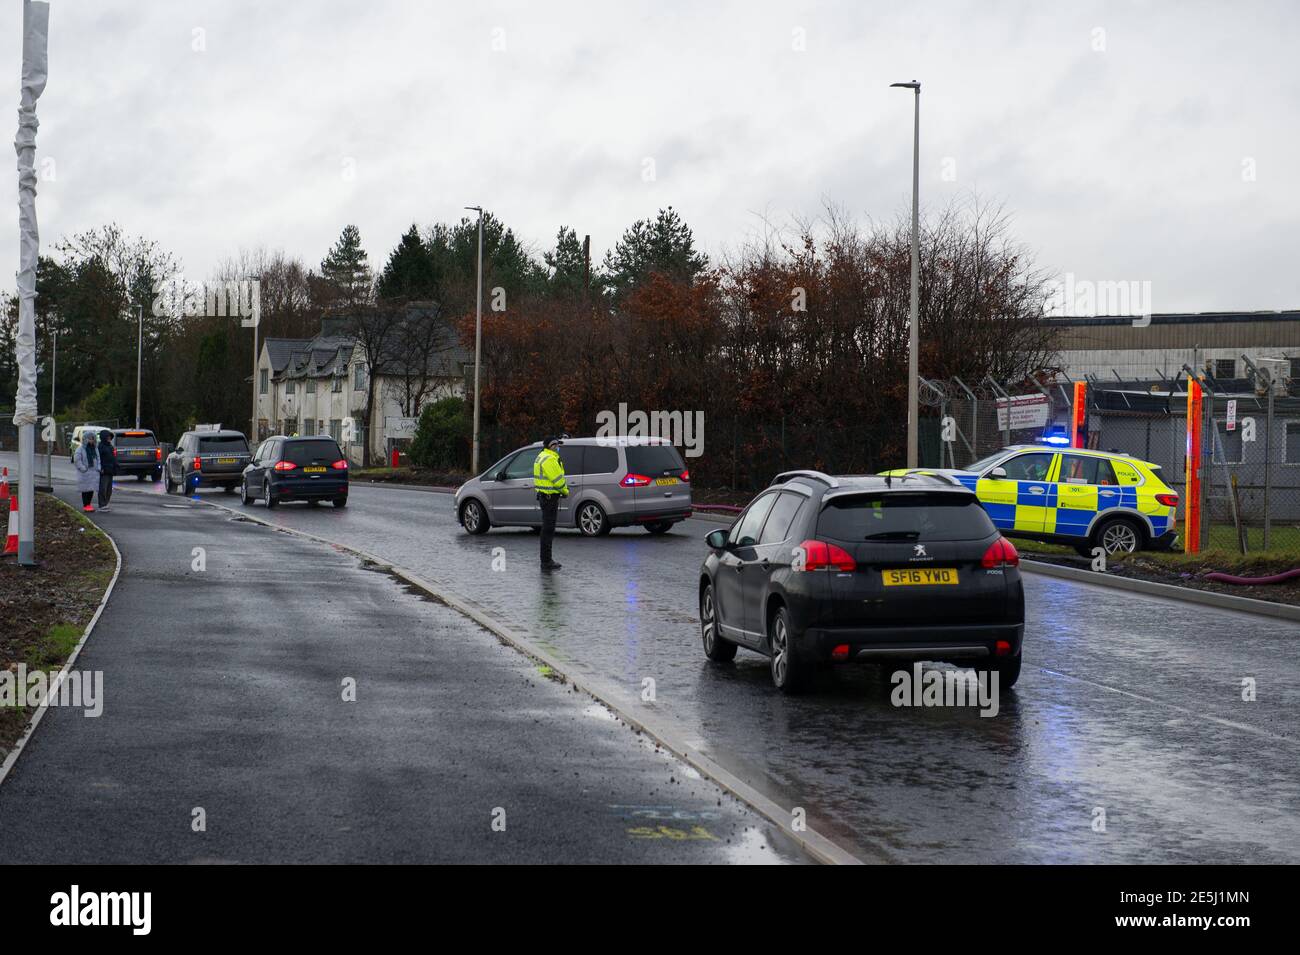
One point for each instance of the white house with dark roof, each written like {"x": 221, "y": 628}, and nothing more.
{"x": 318, "y": 386}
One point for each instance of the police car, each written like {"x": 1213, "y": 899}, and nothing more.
{"x": 1073, "y": 496}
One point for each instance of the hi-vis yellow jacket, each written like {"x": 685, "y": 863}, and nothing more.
{"x": 548, "y": 474}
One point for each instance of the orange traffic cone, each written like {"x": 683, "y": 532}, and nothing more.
{"x": 11, "y": 545}
{"x": 4, "y": 484}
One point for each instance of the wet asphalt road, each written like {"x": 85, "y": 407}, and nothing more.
{"x": 222, "y": 689}
{"x": 1128, "y": 704}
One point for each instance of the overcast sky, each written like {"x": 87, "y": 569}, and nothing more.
{"x": 1122, "y": 137}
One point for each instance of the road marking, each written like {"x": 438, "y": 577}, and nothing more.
{"x": 1174, "y": 706}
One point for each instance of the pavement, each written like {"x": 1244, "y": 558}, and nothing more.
{"x": 1130, "y": 709}
{"x": 224, "y": 691}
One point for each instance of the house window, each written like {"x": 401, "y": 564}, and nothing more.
{"x": 1295, "y": 369}
{"x": 1225, "y": 368}
{"x": 264, "y": 382}
{"x": 358, "y": 378}
{"x": 337, "y": 385}
{"x": 311, "y": 386}
{"x": 261, "y": 429}
{"x": 336, "y": 429}
{"x": 1291, "y": 450}
{"x": 290, "y": 426}
{"x": 289, "y": 386}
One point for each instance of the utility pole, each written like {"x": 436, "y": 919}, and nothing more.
{"x": 913, "y": 335}
{"x": 139, "y": 360}
{"x": 252, "y": 422}
{"x": 478, "y": 335}
{"x": 49, "y": 445}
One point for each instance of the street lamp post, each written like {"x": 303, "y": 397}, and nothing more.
{"x": 913, "y": 335}
{"x": 139, "y": 358}
{"x": 478, "y": 334}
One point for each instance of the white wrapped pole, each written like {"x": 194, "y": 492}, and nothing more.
{"x": 36, "y": 25}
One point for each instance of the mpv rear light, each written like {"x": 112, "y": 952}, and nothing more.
{"x": 1168, "y": 500}
{"x": 819, "y": 555}
{"x": 157, "y": 454}
{"x": 686, "y": 476}
{"x": 635, "y": 480}
{"x": 284, "y": 465}
{"x": 198, "y": 463}
{"x": 340, "y": 465}
{"x": 1001, "y": 554}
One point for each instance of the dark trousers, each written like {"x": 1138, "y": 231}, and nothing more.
{"x": 550, "y": 504}
{"x": 86, "y": 497}
{"x": 105, "y": 488}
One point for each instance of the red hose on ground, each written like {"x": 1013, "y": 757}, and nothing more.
{"x": 1272, "y": 579}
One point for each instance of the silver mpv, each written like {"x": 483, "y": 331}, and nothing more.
{"x": 613, "y": 482}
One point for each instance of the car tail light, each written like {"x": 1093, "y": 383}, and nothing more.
{"x": 284, "y": 465}
{"x": 1001, "y": 554}
{"x": 198, "y": 463}
{"x": 340, "y": 465}
{"x": 1002, "y": 648}
{"x": 635, "y": 480}
{"x": 841, "y": 652}
{"x": 819, "y": 555}
{"x": 1168, "y": 500}
{"x": 686, "y": 476}
{"x": 157, "y": 454}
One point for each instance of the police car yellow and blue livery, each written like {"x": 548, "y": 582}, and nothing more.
{"x": 1072, "y": 496}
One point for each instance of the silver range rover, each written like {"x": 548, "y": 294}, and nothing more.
{"x": 613, "y": 482}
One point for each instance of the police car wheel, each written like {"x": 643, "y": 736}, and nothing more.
{"x": 1119, "y": 536}
{"x": 592, "y": 520}
{"x": 716, "y": 648}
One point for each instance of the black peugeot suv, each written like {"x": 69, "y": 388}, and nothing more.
{"x": 820, "y": 570}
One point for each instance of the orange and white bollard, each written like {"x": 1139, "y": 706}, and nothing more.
{"x": 11, "y": 544}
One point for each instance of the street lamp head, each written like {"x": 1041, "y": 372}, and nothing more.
{"x": 478, "y": 209}
{"x": 914, "y": 85}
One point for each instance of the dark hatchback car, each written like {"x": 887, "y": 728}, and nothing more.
{"x": 308, "y": 469}
{"x": 820, "y": 570}
{"x": 213, "y": 458}
{"x": 138, "y": 453}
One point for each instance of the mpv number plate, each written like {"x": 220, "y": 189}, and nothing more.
{"x": 662, "y": 481}
{"x": 921, "y": 576}
{"x": 314, "y": 470}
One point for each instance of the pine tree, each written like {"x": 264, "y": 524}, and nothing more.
{"x": 346, "y": 270}
{"x": 409, "y": 274}
{"x": 665, "y": 246}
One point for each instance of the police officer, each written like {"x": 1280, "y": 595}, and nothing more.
{"x": 549, "y": 482}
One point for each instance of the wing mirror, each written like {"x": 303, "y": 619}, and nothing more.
{"x": 998, "y": 472}
{"x": 717, "y": 540}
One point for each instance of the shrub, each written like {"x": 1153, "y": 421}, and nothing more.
{"x": 442, "y": 437}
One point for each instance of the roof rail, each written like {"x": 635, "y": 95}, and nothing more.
{"x": 814, "y": 475}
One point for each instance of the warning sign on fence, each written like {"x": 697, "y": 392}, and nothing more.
{"x": 1027, "y": 411}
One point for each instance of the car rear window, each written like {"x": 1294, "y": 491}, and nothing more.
{"x": 904, "y": 516}
{"x": 654, "y": 460}
{"x": 312, "y": 452}
{"x": 232, "y": 444}
{"x": 134, "y": 439}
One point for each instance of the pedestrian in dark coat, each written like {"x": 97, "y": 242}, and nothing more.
{"x": 107, "y": 467}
